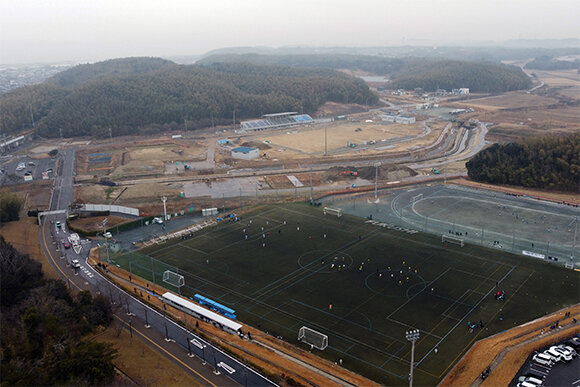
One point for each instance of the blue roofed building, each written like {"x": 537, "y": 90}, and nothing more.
{"x": 245, "y": 153}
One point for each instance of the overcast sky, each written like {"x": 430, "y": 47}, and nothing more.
{"x": 93, "y": 30}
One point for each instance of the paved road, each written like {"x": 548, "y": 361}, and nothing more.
{"x": 164, "y": 335}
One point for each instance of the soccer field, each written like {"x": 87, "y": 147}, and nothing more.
{"x": 364, "y": 284}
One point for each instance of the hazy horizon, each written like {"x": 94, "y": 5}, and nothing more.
{"x": 88, "y": 31}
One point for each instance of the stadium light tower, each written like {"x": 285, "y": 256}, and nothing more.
{"x": 164, "y": 199}
{"x": 412, "y": 336}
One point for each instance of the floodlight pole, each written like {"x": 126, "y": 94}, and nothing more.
{"x": 106, "y": 240}
{"x": 164, "y": 199}
{"x": 412, "y": 336}
{"x": 377, "y": 165}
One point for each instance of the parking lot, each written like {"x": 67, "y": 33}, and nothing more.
{"x": 561, "y": 373}
{"x": 11, "y": 174}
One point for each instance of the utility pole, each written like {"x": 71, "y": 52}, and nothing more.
{"x": 325, "y": 142}
{"x": 311, "y": 188}
{"x": 111, "y": 134}
{"x": 106, "y": 240}
{"x": 412, "y": 336}
{"x": 377, "y": 165}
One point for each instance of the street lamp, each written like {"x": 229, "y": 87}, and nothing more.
{"x": 412, "y": 336}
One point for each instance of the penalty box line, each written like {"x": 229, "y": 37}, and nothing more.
{"x": 464, "y": 316}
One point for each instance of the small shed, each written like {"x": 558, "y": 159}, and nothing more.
{"x": 246, "y": 153}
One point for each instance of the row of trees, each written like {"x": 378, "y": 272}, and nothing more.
{"x": 80, "y": 102}
{"x": 547, "y": 162}
{"x": 550, "y": 63}
{"x": 10, "y": 205}
{"x": 43, "y": 326}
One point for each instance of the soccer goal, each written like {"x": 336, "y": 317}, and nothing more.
{"x": 416, "y": 198}
{"x": 333, "y": 211}
{"x": 452, "y": 239}
{"x": 174, "y": 279}
{"x": 315, "y": 339}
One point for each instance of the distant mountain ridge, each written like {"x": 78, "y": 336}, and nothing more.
{"x": 406, "y": 73}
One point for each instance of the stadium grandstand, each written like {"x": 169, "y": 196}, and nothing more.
{"x": 277, "y": 120}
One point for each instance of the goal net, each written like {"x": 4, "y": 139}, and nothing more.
{"x": 174, "y": 279}
{"x": 452, "y": 239}
{"x": 312, "y": 337}
{"x": 333, "y": 211}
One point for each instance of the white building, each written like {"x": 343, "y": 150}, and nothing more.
{"x": 398, "y": 119}
{"x": 245, "y": 153}
{"x": 464, "y": 90}
{"x": 405, "y": 120}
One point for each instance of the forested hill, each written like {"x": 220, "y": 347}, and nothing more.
{"x": 406, "y": 73}
{"x": 85, "y": 73}
{"x": 147, "y": 95}
{"x": 547, "y": 162}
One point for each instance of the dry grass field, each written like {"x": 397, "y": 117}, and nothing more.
{"x": 310, "y": 141}
{"x": 510, "y": 101}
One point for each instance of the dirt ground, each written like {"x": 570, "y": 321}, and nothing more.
{"x": 95, "y": 223}
{"x": 145, "y": 157}
{"x": 139, "y": 363}
{"x": 311, "y": 140}
{"x": 555, "y": 196}
{"x": 23, "y": 235}
{"x": 510, "y": 101}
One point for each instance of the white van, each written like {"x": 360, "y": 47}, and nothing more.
{"x": 543, "y": 359}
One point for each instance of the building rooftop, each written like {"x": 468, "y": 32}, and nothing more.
{"x": 243, "y": 149}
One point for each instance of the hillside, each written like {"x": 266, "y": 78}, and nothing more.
{"x": 406, "y": 73}
{"x": 548, "y": 162}
{"x": 147, "y": 95}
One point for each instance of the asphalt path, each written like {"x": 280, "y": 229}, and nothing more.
{"x": 163, "y": 334}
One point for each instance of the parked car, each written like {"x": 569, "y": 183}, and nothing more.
{"x": 527, "y": 384}
{"x": 66, "y": 245}
{"x": 543, "y": 359}
{"x": 530, "y": 379}
{"x": 557, "y": 356}
{"x": 566, "y": 354}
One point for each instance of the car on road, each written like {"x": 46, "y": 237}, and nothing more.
{"x": 49, "y": 170}
{"x": 58, "y": 224}
{"x": 20, "y": 166}
{"x": 158, "y": 220}
{"x": 31, "y": 163}
{"x": 66, "y": 245}
{"x": 75, "y": 263}
{"x": 107, "y": 235}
